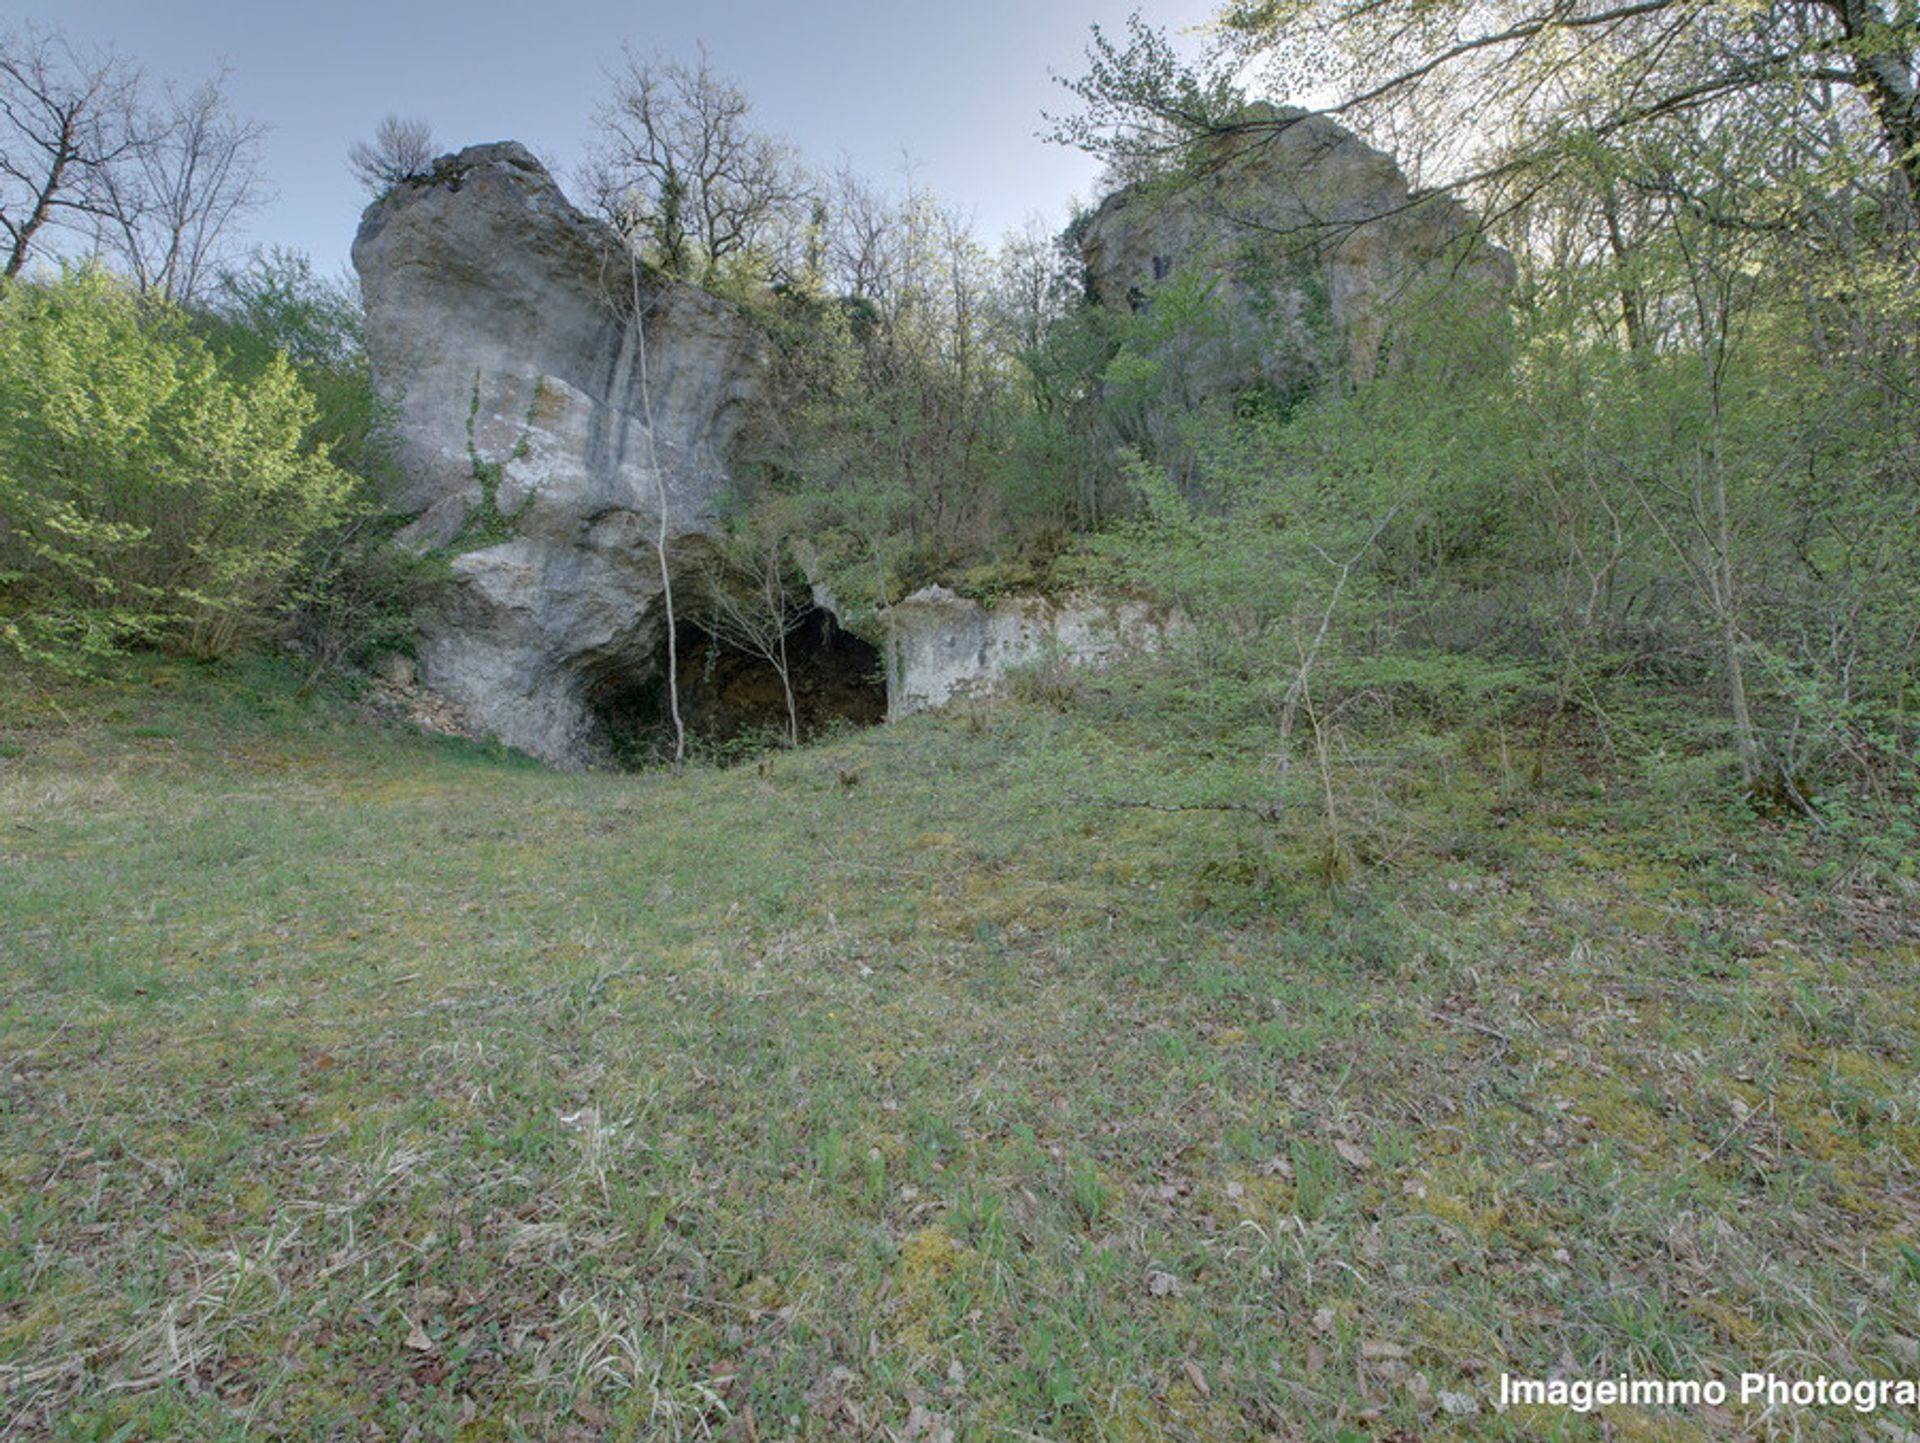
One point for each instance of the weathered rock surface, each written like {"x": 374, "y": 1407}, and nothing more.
{"x": 542, "y": 434}
{"x": 941, "y": 646}
{"x": 1309, "y": 235}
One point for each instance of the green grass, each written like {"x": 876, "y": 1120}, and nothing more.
{"x": 358, "y": 1084}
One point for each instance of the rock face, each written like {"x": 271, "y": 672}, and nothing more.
{"x": 543, "y": 435}
{"x": 1308, "y": 235}
{"x": 941, "y": 646}
{"x": 552, "y": 409}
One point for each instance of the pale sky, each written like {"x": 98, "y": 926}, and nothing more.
{"x": 956, "y": 86}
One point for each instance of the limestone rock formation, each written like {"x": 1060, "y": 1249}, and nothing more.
{"x": 1308, "y": 234}
{"x": 544, "y": 433}
{"x": 539, "y": 430}
{"x": 941, "y": 646}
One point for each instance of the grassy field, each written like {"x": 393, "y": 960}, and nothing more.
{"x": 355, "y": 1084}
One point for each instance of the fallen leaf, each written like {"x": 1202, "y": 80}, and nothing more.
{"x": 586, "y": 1412}
{"x": 1458, "y": 1404}
{"x": 923, "y": 1423}
{"x": 1355, "y": 1157}
{"x": 1421, "y": 1392}
{"x": 1197, "y": 1378}
{"x": 1375, "y": 1350}
{"x": 417, "y": 1338}
{"x": 1323, "y": 1320}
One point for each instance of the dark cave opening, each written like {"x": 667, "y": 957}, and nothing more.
{"x": 732, "y": 701}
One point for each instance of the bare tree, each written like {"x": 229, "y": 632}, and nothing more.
{"x": 65, "y": 121}
{"x": 862, "y": 235}
{"x": 401, "y": 148}
{"x": 1036, "y": 281}
{"x": 679, "y": 160}
{"x": 170, "y": 203}
{"x": 749, "y": 608}
{"x": 156, "y": 184}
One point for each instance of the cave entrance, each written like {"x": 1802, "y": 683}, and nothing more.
{"x": 732, "y": 701}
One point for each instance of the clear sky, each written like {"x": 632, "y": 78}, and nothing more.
{"x": 958, "y": 86}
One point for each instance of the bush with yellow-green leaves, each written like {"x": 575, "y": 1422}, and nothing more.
{"x": 147, "y": 495}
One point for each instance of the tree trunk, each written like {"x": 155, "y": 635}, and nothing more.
{"x": 37, "y": 217}
{"x": 1745, "y": 740}
{"x": 639, "y": 323}
{"x": 786, "y": 686}
{"x": 1885, "y": 74}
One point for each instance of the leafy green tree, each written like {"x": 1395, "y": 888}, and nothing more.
{"x": 356, "y": 589}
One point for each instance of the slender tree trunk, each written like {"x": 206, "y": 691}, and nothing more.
{"x": 639, "y": 324}
{"x": 786, "y": 686}
{"x": 37, "y": 217}
{"x": 776, "y": 599}
{"x": 1632, "y": 306}
{"x": 1711, "y": 281}
{"x": 1744, "y": 738}
{"x": 1721, "y": 572}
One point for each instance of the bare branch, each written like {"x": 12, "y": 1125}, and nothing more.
{"x": 679, "y": 165}
{"x": 401, "y": 149}
{"x": 66, "y": 120}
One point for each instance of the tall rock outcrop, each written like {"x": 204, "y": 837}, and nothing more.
{"x": 1310, "y": 238}
{"x": 542, "y": 434}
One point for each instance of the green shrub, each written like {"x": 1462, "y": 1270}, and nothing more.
{"x": 355, "y": 591}
{"x": 146, "y": 496}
